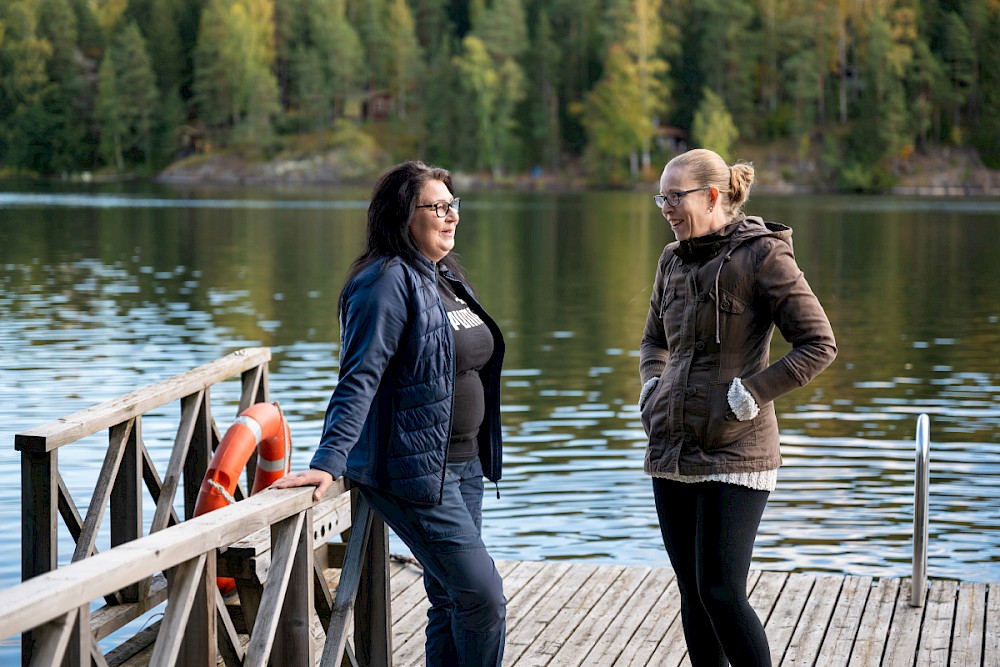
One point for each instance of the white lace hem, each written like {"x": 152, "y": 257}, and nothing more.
{"x": 763, "y": 480}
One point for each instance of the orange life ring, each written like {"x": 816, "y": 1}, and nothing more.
{"x": 260, "y": 427}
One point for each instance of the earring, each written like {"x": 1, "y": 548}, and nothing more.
{"x": 711, "y": 208}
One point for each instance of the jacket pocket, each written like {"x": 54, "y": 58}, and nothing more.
{"x": 724, "y": 430}
{"x": 730, "y": 303}
{"x": 646, "y": 411}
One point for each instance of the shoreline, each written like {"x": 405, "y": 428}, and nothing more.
{"x": 948, "y": 173}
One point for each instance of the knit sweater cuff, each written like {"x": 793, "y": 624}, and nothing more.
{"x": 651, "y": 368}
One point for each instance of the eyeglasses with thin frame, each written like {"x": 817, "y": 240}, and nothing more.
{"x": 674, "y": 198}
{"x": 441, "y": 207}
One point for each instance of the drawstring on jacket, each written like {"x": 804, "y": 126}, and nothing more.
{"x": 718, "y": 312}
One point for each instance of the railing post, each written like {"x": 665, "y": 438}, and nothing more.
{"x": 39, "y": 506}
{"x": 918, "y": 584}
{"x": 126, "y": 501}
{"x": 373, "y": 617}
{"x": 293, "y": 644}
{"x": 199, "y": 454}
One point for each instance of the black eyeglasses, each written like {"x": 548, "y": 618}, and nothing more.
{"x": 674, "y": 198}
{"x": 441, "y": 207}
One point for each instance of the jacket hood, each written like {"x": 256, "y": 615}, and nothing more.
{"x": 753, "y": 226}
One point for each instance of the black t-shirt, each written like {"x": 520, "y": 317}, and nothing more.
{"x": 473, "y": 349}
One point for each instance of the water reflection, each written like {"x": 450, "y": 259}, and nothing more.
{"x": 102, "y": 292}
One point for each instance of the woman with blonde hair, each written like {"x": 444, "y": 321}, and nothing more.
{"x": 708, "y": 391}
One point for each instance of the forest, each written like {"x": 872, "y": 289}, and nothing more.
{"x": 606, "y": 88}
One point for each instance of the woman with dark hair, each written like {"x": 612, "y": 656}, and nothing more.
{"x": 708, "y": 388}
{"x": 414, "y": 420}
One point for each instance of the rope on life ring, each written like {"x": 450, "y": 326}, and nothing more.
{"x": 261, "y": 428}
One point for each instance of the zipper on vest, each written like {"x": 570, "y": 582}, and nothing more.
{"x": 451, "y": 410}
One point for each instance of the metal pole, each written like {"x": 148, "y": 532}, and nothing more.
{"x": 918, "y": 584}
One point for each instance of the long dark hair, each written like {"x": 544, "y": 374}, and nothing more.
{"x": 394, "y": 201}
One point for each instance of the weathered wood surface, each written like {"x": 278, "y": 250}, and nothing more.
{"x": 38, "y": 600}
{"x": 574, "y": 615}
{"x": 115, "y": 411}
{"x": 570, "y": 615}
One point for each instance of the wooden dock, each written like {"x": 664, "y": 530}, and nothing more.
{"x": 316, "y": 584}
{"x": 576, "y": 614}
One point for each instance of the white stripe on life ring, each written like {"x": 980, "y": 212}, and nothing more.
{"x": 270, "y": 466}
{"x": 251, "y": 424}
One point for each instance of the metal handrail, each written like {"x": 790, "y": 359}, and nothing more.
{"x": 918, "y": 584}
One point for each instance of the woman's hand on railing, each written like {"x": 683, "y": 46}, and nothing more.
{"x": 311, "y": 477}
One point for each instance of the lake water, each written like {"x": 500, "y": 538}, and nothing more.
{"x": 106, "y": 289}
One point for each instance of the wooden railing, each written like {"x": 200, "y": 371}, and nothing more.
{"x": 275, "y": 544}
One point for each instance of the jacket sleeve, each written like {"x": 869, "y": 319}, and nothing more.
{"x": 374, "y": 319}
{"x": 798, "y": 315}
{"x": 653, "y": 350}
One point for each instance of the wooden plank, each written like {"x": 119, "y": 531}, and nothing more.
{"x": 904, "y": 631}
{"x": 808, "y": 634}
{"x": 200, "y": 645}
{"x": 255, "y": 387}
{"x": 152, "y": 479}
{"x": 405, "y": 576}
{"x": 184, "y": 589}
{"x": 638, "y": 651}
{"x": 293, "y": 641}
{"x": 546, "y": 608}
{"x": 111, "y": 617}
{"x": 543, "y": 647}
{"x": 81, "y": 645}
{"x": 875, "y": 624}
{"x": 203, "y": 442}
{"x": 373, "y": 608}
{"x": 991, "y": 645}
{"x": 104, "y": 415}
{"x": 844, "y": 624}
{"x": 935, "y": 634}
{"x": 102, "y": 490}
{"x": 330, "y": 518}
{"x": 39, "y": 536}
{"x": 621, "y": 632}
{"x": 286, "y": 537}
{"x": 667, "y": 646}
{"x": 603, "y": 615}
{"x": 786, "y": 613}
{"x": 766, "y": 590}
{"x": 165, "y": 494}
{"x": 40, "y": 599}
{"x": 672, "y": 649}
{"x": 967, "y": 639}
{"x": 542, "y": 584}
{"x": 52, "y": 638}
{"x": 126, "y": 502}
{"x": 517, "y": 577}
{"x": 230, "y": 643}
{"x": 343, "y": 608}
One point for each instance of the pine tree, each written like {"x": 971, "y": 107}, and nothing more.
{"x": 137, "y": 91}
{"x": 340, "y": 51}
{"x": 713, "y": 127}
{"x": 108, "y": 112}
{"x": 612, "y": 114}
{"x": 235, "y": 84}
{"x": 542, "y": 119}
{"x": 405, "y": 55}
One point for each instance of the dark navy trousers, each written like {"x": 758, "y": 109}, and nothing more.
{"x": 466, "y": 622}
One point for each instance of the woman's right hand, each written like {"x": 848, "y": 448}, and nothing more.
{"x": 647, "y": 389}
{"x": 311, "y": 477}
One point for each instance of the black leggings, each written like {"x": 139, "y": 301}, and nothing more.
{"x": 708, "y": 529}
